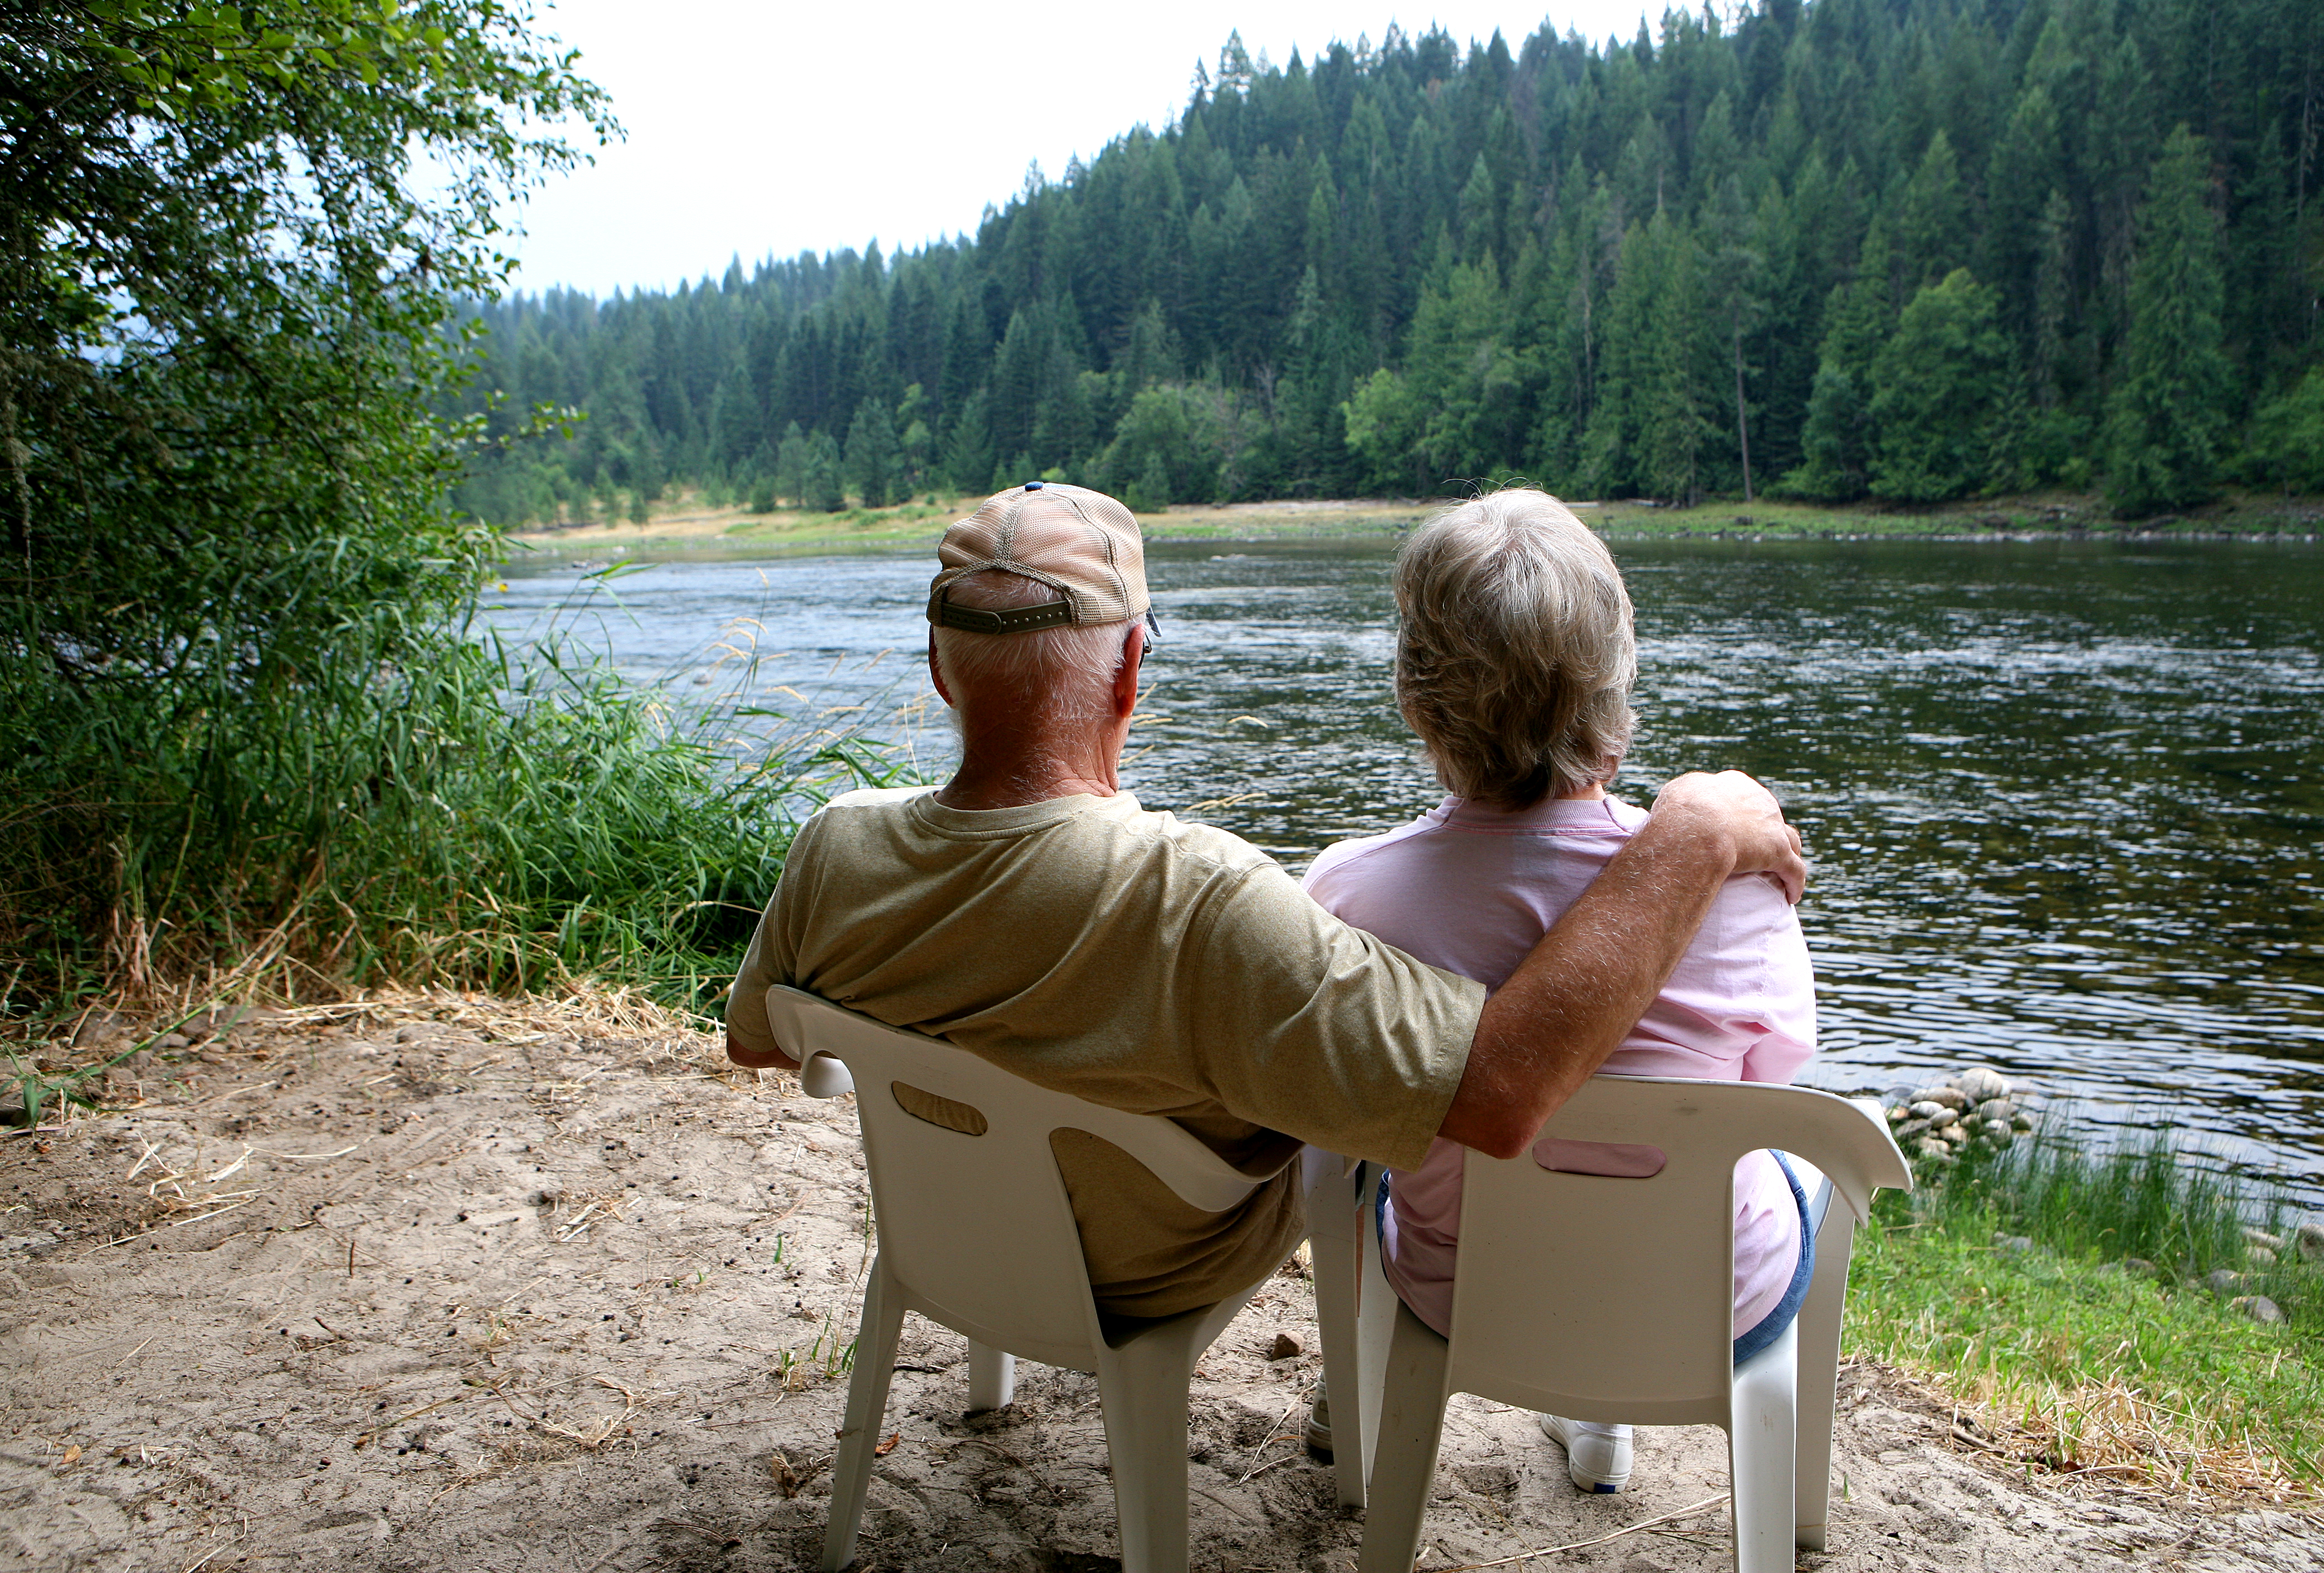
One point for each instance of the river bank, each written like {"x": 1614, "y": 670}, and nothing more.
{"x": 419, "y": 1280}
{"x": 689, "y": 526}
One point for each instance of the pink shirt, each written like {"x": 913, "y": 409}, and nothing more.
{"x": 1470, "y": 890}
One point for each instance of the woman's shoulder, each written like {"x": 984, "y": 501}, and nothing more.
{"x": 1343, "y": 860}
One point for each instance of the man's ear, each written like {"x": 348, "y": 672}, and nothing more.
{"x": 1125, "y": 676}
{"x": 936, "y": 673}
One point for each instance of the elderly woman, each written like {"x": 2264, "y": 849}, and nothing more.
{"x": 1514, "y": 665}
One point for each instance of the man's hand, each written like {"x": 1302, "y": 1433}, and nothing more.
{"x": 1577, "y": 994}
{"x": 1732, "y": 804}
{"x": 751, "y": 1059}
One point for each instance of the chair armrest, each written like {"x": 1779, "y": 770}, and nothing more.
{"x": 822, "y": 1076}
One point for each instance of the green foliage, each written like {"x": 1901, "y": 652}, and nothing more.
{"x": 1149, "y": 492}
{"x": 1172, "y": 430}
{"x": 237, "y": 716}
{"x": 2168, "y": 421}
{"x": 1383, "y": 423}
{"x": 2288, "y": 437}
{"x": 1942, "y": 392}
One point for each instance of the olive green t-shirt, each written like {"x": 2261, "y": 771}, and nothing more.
{"x": 1147, "y": 964}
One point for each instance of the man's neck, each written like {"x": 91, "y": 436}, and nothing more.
{"x": 1030, "y": 771}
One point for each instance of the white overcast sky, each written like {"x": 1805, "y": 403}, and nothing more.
{"x": 776, "y": 128}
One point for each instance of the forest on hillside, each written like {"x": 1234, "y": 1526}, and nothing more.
{"x": 1913, "y": 250}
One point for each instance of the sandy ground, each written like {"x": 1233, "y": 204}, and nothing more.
{"x": 442, "y": 1284}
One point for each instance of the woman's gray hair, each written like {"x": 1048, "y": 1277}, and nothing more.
{"x": 1515, "y": 657}
{"x": 1066, "y": 672}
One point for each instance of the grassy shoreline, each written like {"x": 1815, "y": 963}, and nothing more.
{"x": 689, "y": 526}
{"x": 2104, "y": 1307}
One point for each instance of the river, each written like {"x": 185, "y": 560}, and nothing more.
{"x": 2063, "y": 798}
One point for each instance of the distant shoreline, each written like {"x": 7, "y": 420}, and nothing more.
{"x": 690, "y": 527}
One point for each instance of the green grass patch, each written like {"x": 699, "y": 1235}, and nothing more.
{"x": 2072, "y": 1293}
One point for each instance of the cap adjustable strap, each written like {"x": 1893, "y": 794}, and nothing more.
{"x": 1016, "y": 620}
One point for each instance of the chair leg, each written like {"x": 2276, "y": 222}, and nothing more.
{"x": 992, "y": 1378}
{"x": 1376, "y": 1313}
{"x": 1142, "y": 1396}
{"x": 1763, "y": 1455}
{"x": 1411, "y": 1425}
{"x": 1819, "y": 1333}
{"x": 876, "y": 1338}
{"x": 1331, "y": 1223}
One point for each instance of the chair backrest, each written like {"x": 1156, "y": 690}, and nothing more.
{"x": 1583, "y": 1294}
{"x": 978, "y": 1230}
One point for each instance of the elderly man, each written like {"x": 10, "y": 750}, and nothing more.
{"x": 1033, "y": 913}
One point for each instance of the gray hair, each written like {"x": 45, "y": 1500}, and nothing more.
{"x": 1065, "y": 671}
{"x": 1516, "y": 656}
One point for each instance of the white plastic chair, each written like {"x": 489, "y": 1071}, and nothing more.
{"x": 976, "y": 1233}
{"x": 1612, "y": 1300}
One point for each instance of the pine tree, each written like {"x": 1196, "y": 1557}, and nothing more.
{"x": 968, "y": 454}
{"x": 1940, "y": 388}
{"x": 790, "y": 474}
{"x": 874, "y": 459}
{"x": 1836, "y": 443}
{"x": 823, "y": 481}
{"x": 2169, "y": 413}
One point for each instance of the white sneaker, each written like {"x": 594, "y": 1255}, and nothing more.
{"x": 1319, "y": 1424}
{"x": 1597, "y": 1456}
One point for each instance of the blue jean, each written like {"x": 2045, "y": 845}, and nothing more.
{"x": 1757, "y": 1337}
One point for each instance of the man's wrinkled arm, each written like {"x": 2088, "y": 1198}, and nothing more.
{"x": 1576, "y": 997}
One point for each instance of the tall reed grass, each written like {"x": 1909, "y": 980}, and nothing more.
{"x": 2154, "y": 1198}
{"x": 472, "y": 812}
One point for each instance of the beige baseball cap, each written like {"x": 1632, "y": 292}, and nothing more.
{"x": 1081, "y": 544}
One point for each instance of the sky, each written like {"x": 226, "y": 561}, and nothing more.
{"x": 769, "y": 129}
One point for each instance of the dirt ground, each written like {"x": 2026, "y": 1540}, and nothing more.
{"x": 432, "y": 1284}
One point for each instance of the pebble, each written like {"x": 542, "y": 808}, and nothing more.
{"x": 1936, "y": 1113}
{"x": 1953, "y": 1098}
{"x": 1978, "y": 1084}
{"x": 2263, "y": 1240}
{"x": 2261, "y": 1256}
{"x": 1910, "y": 1129}
{"x": 171, "y": 1040}
{"x": 1996, "y": 1108}
{"x": 1931, "y": 1147}
{"x": 2139, "y": 1267}
{"x": 2259, "y": 1308}
{"x": 2223, "y": 1280}
{"x": 2310, "y": 1242}
{"x": 102, "y": 1027}
{"x": 1284, "y": 1347}
{"x": 2014, "y": 1243}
